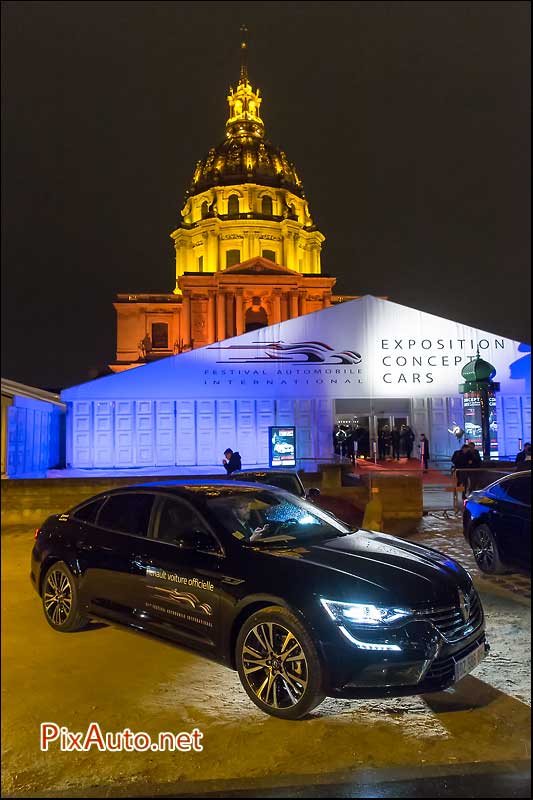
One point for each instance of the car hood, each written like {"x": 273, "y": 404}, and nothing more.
{"x": 380, "y": 567}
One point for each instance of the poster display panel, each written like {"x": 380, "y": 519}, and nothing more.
{"x": 473, "y": 422}
{"x": 282, "y": 446}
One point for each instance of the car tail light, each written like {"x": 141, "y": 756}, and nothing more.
{"x": 465, "y": 501}
{"x": 37, "y": 532}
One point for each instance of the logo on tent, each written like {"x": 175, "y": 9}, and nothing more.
{"x": 278, "y": 352}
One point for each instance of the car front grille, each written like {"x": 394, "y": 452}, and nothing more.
{"x": 443, "y": 670}
{"x": 449, "y": 620}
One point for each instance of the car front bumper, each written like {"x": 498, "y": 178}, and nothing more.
{"x": 425, "y": 662}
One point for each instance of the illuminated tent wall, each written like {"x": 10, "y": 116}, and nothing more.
{"x": 33, "y": 424}
{"x": 187, "y": 409}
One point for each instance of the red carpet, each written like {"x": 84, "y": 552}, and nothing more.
{"x": 406, "y": 467}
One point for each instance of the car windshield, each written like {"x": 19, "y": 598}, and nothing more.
{"x": 253, "y": 516}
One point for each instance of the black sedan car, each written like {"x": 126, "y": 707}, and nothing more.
{"x": 497, "y": 523}
{"x": 266, "y": 583}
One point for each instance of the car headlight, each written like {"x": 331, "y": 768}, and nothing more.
{"x": 363, "y": 613}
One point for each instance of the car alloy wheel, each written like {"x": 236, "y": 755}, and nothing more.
{"x": 485, "y": 549}
{"x": 278, "y": 664}
{"x": 275, "y": 665}
{"x": 57, "y": 597}
{"x": 60, "y": 599}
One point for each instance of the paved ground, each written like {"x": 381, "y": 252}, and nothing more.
{"x": 122, "y": 679}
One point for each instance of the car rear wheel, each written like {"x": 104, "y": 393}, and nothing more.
{"x": 60, "y": 600}
{"x": 485, "y": 550}
{"x": 278, "y": 664}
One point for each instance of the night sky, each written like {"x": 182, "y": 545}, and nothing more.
{"x": 408, "y": 122}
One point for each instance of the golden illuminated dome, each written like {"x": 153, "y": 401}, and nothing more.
{"x": 245, "y": 156}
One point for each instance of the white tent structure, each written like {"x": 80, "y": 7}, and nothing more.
{"x": 368, "y": 355}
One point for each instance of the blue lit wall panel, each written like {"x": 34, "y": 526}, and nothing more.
{"x": 206, "y": 437}
{"x": 226, "y": 434}
{"x": 125, "y": 433}
{"x": 144, "y": 433}
{"x": 165, "y": 437}
{"x": 246, "y": 431}
{"x": 186, "y": 432}
{"x": 34, "y": 431}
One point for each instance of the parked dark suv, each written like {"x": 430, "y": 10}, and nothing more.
{"x": 497, "y": 523}
{"x": 267, "y": 583}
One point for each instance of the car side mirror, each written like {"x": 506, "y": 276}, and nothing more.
{"x": 313, "y": 492}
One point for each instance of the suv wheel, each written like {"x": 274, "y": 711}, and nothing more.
{"x": 278, "y": 664}
{"x": 485, "y": 550}
{"x": 60, "y": 600}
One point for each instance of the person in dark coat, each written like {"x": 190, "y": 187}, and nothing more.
{"x": 408, "y": 439}
{"x": 523, "y": 458}
{"x": 381, "y": 445}
{"x": 473, "y": 455}
{"x": 423, "y": 446}
{"x": 459, "y": 464}
{"x": 395, "y": 435}
{"x": 232, "y": 461}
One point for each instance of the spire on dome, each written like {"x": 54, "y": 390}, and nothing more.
{"x": 244, "y": 118}
{"x": 244, "y": 66}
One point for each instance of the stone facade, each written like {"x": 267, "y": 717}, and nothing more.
{"x": 248, "y": 253}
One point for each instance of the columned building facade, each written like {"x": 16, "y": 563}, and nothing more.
{"x": 248, "y": 253}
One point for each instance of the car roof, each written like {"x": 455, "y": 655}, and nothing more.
{"x": 178, "y": 487}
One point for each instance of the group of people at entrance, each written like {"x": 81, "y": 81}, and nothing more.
{"x": 393, "y": 443}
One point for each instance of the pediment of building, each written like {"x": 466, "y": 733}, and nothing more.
{"x": 258, "y": 265}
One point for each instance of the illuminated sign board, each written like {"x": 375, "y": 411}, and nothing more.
{"x": 473, "y": 421}
{"x": 282, "y": 446}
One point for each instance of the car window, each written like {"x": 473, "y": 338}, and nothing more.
{"x": 519, "y": 489}
{"x": 127, "y": 513}
{"x": 253, "y": 515}
{"x": 512, "y": 489}
{"x": 178, "y": 521}
{"x": 88, "y": 512}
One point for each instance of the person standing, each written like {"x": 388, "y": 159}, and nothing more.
{"x": 408, "y": 440}
{"x": 381, "y": 444}
{"x": 523, "y": 458}
{"x": 232, "y": 461}
{"x": 423, "y": 446}
{"x": 474, "y": 456}
{"x": 460, "y": 461}
{"x": 395, "y": 436}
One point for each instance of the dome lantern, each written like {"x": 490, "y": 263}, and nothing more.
{"x": 245, "y": 156}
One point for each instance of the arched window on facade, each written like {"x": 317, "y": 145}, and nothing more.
{"x": 266, "y": 206}
{"x": 204, "y": 209}
{"x": 233, "y": 204}
{"x": 256, "y": 316}
{"x": 233, "y": 257}
{"x": 270, "y": 254}
{"x": 200, "y": 263}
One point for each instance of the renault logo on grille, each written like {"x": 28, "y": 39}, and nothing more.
{"x": 464, "y": 605}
